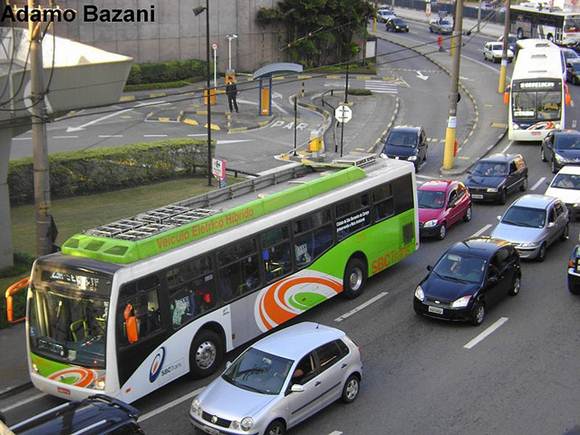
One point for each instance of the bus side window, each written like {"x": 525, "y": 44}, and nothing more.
{"x": 242, "y": 274}
{"x": 191, "y": 300}
{"x": 139, "y": 313}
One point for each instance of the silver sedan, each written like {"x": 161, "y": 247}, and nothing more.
{"x": 280, "y": 381}
{"x": 532, "y": 223}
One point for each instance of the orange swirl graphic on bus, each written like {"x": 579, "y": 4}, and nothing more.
{"x": 292, "y": 296}
{"x": 77, "y": 376}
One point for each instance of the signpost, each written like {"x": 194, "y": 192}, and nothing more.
{"x": 218, "y": 169}
{"x": 343, "y": 114}
{"x": 214, "y": 47}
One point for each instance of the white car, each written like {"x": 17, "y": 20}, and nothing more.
{"x": 384, "y": 15}
{"x": 566, "y": 187}
{"x": 493, "y": 51}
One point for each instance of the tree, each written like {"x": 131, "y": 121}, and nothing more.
{"x": 319, "y": 31}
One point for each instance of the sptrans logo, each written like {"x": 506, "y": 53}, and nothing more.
{"x": 157, "y": 364}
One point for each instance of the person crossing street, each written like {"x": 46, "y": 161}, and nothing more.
{"x": 232, "y": 92}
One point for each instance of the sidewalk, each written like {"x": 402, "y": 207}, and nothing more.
{"x": 488, "y": 127}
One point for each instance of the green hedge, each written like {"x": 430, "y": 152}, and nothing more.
{"x": 106, "y": 169}
{"x": 171, "y": 71}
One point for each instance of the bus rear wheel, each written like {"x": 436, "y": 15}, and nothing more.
{"x": 355, "y": 278}
{"x": 206, "y": 353}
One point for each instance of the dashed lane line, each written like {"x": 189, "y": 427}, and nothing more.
{"x": 507, "y": 147}
{"x": 155, "y": 135}
{"x": 486, "y": 333}
{"x": 107, "y": 136}
{"x": 170, "y": 405}
{"x": 360, "y": 307}
{"x": 481, "y": 231}
{"x": 22, "y": 402}
{"x": 538, "y": 183}
{"x": 65, "y": 137}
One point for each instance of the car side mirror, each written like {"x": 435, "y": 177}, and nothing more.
{"x": 498, "y": 218}
{"x": 429, "y": 268}
{"x": 228, "y": 364}
{"x": 296, "y": 388}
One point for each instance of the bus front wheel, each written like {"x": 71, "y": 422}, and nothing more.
{"x": 355, "y": 277}
{"x": 206, "y": 353}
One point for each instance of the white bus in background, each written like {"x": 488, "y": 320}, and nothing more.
{"x": 538, "y": 20}
{"x": 538, "y": 94}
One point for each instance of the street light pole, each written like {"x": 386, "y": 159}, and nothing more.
{"x": 196, "y": 11}
{"x": 504, "y": 57}
{"x": 229, "y": 38}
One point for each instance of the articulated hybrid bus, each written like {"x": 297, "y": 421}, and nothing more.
{"x": 559, "y": 26}
{"x": 130, "y": 306}
{"x": 538, "y": 91}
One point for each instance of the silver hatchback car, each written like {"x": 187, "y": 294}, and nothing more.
{"x": 532, "y": 223}
{"x": 280, "y": 381}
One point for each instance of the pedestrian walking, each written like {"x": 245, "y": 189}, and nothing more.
{"x": 232, "y": 92}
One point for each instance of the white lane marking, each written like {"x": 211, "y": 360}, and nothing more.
{"x": 154, "y": 103}
{"x": 485, "y": 333}
{"x": 225, "y": 142}
{"x": 105, "y": 136}
{"x": 22, "y": 402}
{"x": 360, "y": 307}
{"x": 427, "y": 177}
{"x": 507, "y": 148}
{"x": 155, "y": 135}
{"x": 65, "y": 137}
{"x": 535, "y": 186}
{"x": 481, "y": 231}
{"x": 21, "y": 138}
{"x": 277, "y": 106}
{"x": 170, "y": 405}
{"x": 335, "y": 432}
{"x": 95, "y": 121}
{"x": 197, "y": 135}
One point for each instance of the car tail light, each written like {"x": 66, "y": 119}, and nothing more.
{"x": 570, "y": 263}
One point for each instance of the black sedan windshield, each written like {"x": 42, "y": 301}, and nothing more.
{"x": 525, "y": 217}
{"x": 490, "y": 169}
{"x": 460, "y": 268}
{"x": 258, "y": 371}
{"x": 431, "y": 199}
{"x": 401, "y": 138}
{"x": 399, "y": 22}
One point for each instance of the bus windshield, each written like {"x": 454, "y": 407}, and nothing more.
{"x": 544, "y": 106}
{"x": 68, "y": 316}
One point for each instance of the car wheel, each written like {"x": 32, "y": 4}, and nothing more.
{"x": 565, "y": 233}
{"x": 205, "y": 354}
{"x": 543, "y": 154}
{"x": 468, "y": 214}
{"x": 350, "y": 389}
{"x": 554, "y": 168}
{"x": 277, "y": 427}
{"x": 355, "y": 277}
{"x": 442, "y": 231}
{"x": 524, "y": 185}
{"x": 516, "y": 285}
{"x": 503, "y": 196}
{"x": 478, "y": 314}
{"x": 541, "y": 253}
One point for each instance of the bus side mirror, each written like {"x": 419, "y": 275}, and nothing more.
{"x": 568, "y": 99}
{"x": 506, "y": 97}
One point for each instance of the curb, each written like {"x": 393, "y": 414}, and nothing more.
{"x": 9, "y": 391}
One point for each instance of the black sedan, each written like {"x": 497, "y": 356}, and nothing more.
{"x": 561, "y": 148}
{"x": 573, "y": 71}
{"x": 470, "y": 277}
{"x": 396, "y": 25}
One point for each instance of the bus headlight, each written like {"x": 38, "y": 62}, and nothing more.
{"x": 34, "y": 367}
{"x": 100, "y": 384}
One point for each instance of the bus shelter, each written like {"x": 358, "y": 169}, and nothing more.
{"x": 264, "y": 75}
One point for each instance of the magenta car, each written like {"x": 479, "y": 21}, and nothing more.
{"x": 442, "y": 203}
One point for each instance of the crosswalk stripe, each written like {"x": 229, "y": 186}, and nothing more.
{"x": 380, "y": 87}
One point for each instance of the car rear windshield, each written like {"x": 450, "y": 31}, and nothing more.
{"x": 525, "y": 217}
{"x": 402, "y": 138}
{"x": 568, "y": 142}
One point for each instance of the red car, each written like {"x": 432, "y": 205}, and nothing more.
{"x": 442, "y": 203}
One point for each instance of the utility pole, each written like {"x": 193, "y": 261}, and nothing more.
{"x": 479, "y": 16}
{"x": 450, "y": 132}
{"x": 39, "y": 142}
{"x": 342, "y": 123}
{"x": 375, "y": 17}
{"x": 504, "y": 58}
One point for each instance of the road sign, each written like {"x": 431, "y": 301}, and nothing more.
{"x": 218, "y": 168}
{"x": 214, "y": 46}
{"x": 343, "y": 113}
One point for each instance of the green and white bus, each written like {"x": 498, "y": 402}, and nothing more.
{"x": 128, "y": 307}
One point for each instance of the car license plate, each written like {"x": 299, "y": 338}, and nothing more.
{"x": 210, "y": 430}
{"x": 476, "y": 196}
{"x": 435, "y": 310}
